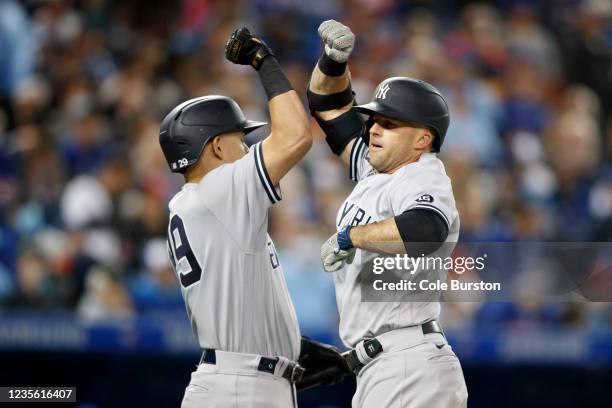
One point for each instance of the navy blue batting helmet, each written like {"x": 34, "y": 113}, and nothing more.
{"x": 411, "y": 100}
{"x": 188, "y": 127}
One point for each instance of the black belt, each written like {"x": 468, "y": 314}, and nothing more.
{"x": 293, "y": 373}
{"x": 373, "y": 347}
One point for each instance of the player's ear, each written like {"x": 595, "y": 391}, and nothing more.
{"x": 217, "y": 147}
{"x": 425, "y": 140}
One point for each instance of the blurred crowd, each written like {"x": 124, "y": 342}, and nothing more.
{"x": 84, "y": 186}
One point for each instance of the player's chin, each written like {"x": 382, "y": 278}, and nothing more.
{"x": 376, "y": 162}
{"x": 377, "y": 154}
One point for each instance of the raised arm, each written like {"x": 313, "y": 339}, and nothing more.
{"x": 330, "y": 95}
{"x": 290, "y": 137}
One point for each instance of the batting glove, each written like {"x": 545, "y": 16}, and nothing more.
{"x": 337, "y": 251}
{"x": 245, "y": 49}
{"x": 339, "y": 40}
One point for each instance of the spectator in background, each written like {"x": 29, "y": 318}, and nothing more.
{"x": 89, "y": 210}
{"x": 574, "y": 149}
{"x": 156, "y": 286}
{"x": 86, "y": 147}
{"x": 477, "y": 114}
{"x": 586, "y": 38}
{"x": 105, "y": 297}
{"x": 34, "y": 287}
{"x": 18, "y": 47}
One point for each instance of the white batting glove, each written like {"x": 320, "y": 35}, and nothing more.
{"x": 339, "y": 40}
{"x": 334, "y": 258}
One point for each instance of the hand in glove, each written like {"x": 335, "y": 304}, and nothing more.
{"x": 337, "y": 251}
{"x": 339, "y": 40}
{"x": 245, "y": 49}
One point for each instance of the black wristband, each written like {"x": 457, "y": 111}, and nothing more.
{"x": 272, "y": 77}
{"x": 330, "y": 67}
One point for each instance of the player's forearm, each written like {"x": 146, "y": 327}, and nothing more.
{"x": 331, "y": 74}
{"x": 323, "y": 84}
{"x": 289, "y": 123}
{"x": 290, "y": 137}
{"x": 330, "y": 97}
{"x": 326, "y": 85}
{"x": 381, "y": 237}
{"x": 399, "y": 234}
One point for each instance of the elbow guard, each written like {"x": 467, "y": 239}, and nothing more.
{"x": 321, "y": 103}
{"x": 423, "y": 231}
{"x": 341, "y": 130}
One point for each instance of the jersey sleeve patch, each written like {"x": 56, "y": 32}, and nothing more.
{"x": 356, "y": 154}
{"x": 272, "y": 192}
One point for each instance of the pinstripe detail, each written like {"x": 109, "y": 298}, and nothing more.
{"x": 263, "y": 175}
{"x": 356, "y": 153}
{"x": 352, "y": 161}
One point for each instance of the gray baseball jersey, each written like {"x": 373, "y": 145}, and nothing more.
{"x": 231, "y": 279}
{"x": 376, "y": 197}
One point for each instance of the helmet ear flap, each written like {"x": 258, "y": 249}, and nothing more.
{"x": 435, "y": 145}
{"x": 183, "y": 146}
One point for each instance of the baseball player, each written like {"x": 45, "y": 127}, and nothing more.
{"x": 228, "y": 268}
{"x": 403, "y": 195}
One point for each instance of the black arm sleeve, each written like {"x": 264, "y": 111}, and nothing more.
{"x": 423, "y": 231}
{"x": 341, "y": 130}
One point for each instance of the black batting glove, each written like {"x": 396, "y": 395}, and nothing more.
{"x": 245, "y": 49}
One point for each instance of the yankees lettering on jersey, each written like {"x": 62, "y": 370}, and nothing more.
{"x": 376, "y": 197}
{"x": 232, "y": 282}
{"x": 357, "y": 215}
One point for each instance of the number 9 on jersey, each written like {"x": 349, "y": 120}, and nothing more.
{"x": 179, "y": 248}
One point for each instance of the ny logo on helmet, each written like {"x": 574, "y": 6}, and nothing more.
{"x": 381, "y": 93}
